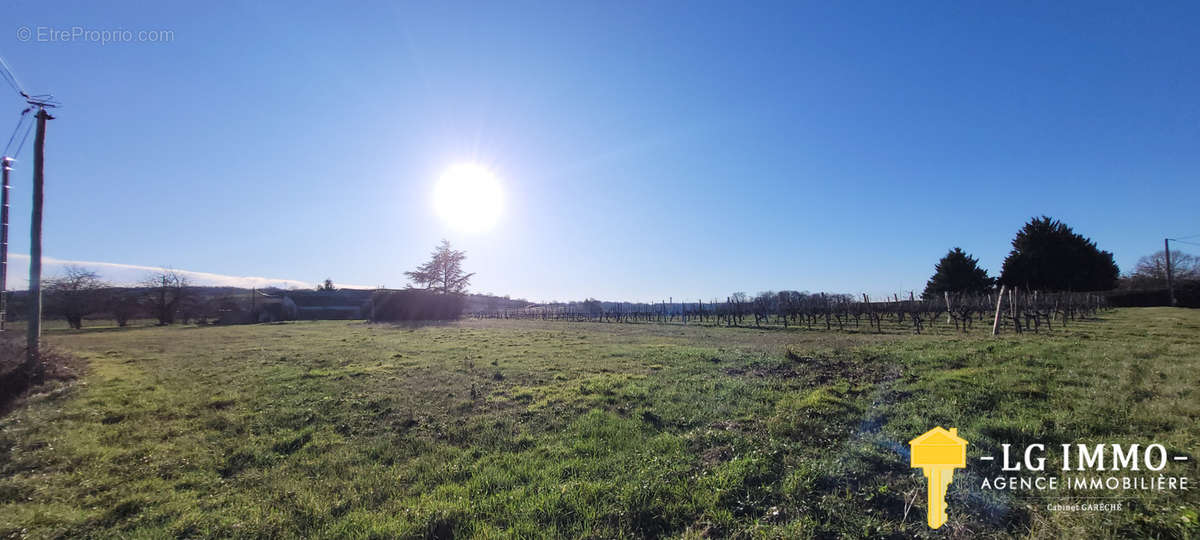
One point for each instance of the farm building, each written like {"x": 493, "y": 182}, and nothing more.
{"x": 256, "y": 307}
{"x": 338, "y": 304}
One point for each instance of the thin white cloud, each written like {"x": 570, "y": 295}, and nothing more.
{"x": 130, "y": 274}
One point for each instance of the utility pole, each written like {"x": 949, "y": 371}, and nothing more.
{"x": 35, "y": 246}
{"x": 1170, "y": 281}
{"x": 4, "y": 165}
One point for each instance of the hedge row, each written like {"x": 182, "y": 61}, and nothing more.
{"x": 1187, "y": 294}
{"x": 415, "y": 305}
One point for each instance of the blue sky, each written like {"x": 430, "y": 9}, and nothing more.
{"x": 647, "y": 150}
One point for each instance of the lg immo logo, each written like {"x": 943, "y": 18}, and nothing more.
{"x": 938, "y": 452}
{"x": 1085, "y": 471}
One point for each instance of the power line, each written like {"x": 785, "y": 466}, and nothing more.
{"x": 11, "y": 78}
{"x": 8, "y": 79}
{"x": 41, "y": 101}
{"x": 1184, "y": 237}
{"x": 16, "y": 130}
{"x": 25, "y": 137}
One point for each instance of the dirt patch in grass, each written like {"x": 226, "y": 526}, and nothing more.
{"x": 220, "y": 404}
{"x": 716, "y": 455}
{"x": 779, "y": 372}
{"x": 16, "y": 383}
{"x": 821, "y": 370}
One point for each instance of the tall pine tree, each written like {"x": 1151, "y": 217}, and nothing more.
{"x": 957, "y": 272}
{"x": 1048, "y": 256}
{"x": 443, "y": 273}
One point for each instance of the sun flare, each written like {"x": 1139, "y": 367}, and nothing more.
{"x": 468, "y": 197}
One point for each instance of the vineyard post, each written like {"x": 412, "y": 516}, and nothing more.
{"x": 996, "y": 321}
{"x": 947, "y": 295}
{"x": 1012, "y": 309}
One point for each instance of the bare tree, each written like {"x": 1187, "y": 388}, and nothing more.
{"x": 593, "y": 307}
{"x": 443, "y": 273}
{"x": 123, "y": 305}
{"x": 1151, "y": 270}
{"x": 75, "y": 295}
{"x": 738, "y": 301}
{"x": 764, "y": 305}
{"x": 167, "y": 291}
{"x": 326, "y": 286}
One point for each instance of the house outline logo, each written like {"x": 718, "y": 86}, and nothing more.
{"x": 938, "y": 452}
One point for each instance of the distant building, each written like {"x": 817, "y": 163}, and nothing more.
{"x": 257, "y": 307}
{"x": 338, "y": 304}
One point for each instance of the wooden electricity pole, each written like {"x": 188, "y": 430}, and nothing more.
{"x": 35, "y": 247}
{"x": 1170, "y": 280}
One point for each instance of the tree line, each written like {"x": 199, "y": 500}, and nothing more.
{"x": 1049, "y": 265}
{"x": 1052, "y": 275}
{"x": 168, "y": 296}
{"x": 1047, "y": 255}
{"x": 1014, "y": 310}
{"x": 78, "y": 293}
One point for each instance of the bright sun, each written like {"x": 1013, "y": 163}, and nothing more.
{"x": 468, "y": 197}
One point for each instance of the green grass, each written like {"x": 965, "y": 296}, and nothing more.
{"x": 545, "y": 429}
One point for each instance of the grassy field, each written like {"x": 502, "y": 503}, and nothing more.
{"x": 546, "y": 429}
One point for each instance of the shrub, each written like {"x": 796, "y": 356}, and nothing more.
{"x": 416, "y": 305}
{"x": 1187, "y": 294}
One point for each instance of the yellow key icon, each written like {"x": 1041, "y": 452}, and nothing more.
{"x": 938, "y": 452}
